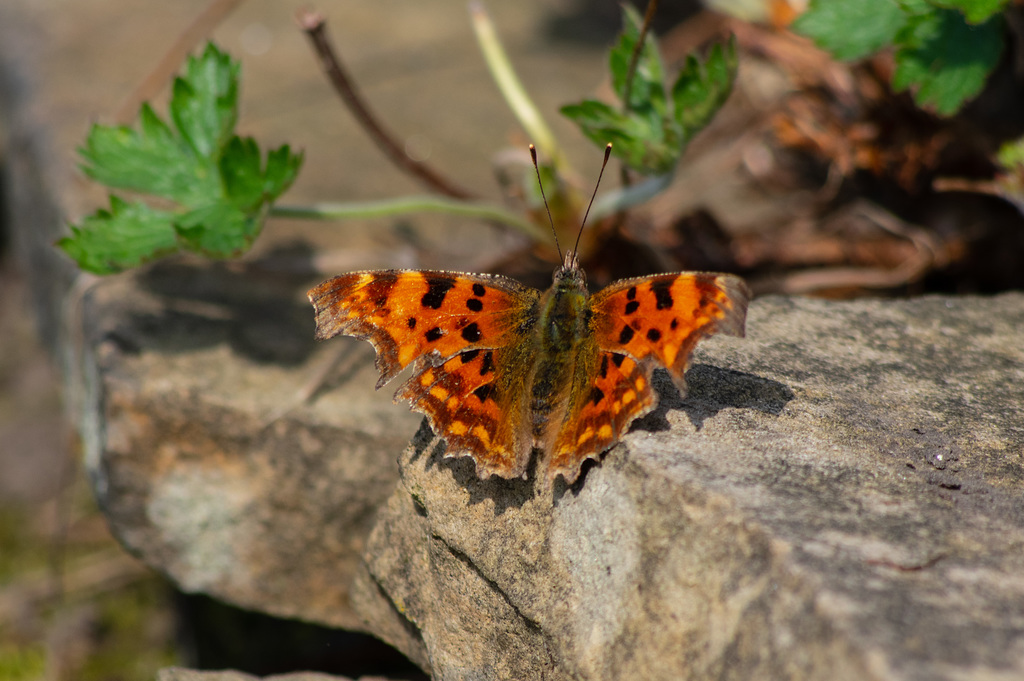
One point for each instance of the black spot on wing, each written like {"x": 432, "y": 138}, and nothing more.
{"x": 604, "y": 366}
{"x": 632, "y": 306}
{"x": 653, "y": 335}
{"x": 626, "y": 335}
{"x": 479, "y": 290}
{"x": 617, "y": 360}
{"x": 488, "y": 364}
{"x": 484, "y": 392}
{"x": 433, "y": 334}
{"x": 471, "y": 333}
{"x": 631, "y": 293}
{"x": 475, "y": 304}
{"x": 411, "y": 322}
{"x": 596, "y": 395}
{"x": 469, "y": 355}
{"x": 437, "y": 289}
{"x": 662, "y": 294}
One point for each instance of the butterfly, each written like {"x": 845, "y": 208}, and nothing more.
{"x": 500, "y": 368}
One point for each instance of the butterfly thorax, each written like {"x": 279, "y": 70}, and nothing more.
{"x": 562, "y": 327}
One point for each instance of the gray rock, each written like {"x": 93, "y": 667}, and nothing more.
{"x": 199, "y": 465}
{"x": 840, "y": 497}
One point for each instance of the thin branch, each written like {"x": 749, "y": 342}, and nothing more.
{"x": 411, "y": 204}
{"x": 201, "y": 27}
{"x": 315, "y": 27}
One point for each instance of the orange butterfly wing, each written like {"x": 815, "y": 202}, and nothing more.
{"x": 638, "y": 324}
{"x": 465, "y": 335}
{"x": 661, "y": 318}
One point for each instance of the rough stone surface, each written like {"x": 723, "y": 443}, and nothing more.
{"x": 840, "y": 497}
{"x": 202, "y": 472}
{"x": 183, "y": 674}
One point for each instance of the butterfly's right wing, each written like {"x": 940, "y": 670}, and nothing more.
{"x": 467, "y": 338}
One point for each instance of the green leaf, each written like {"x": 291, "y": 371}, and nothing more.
{"x": 851, "y": 29}
{"x": 701, "y": 89}
{"x": 150, "y": 160}
{"x": 126, "y": 236}
{"x": 282, "y": 169}
{"x": 647, "y": 90}
{"x": 976, "y": 11}
{"x": 219, "y": 230}
{"x": 204, "y": 103}
{"x": 945, "y": 59}
{"x": 216, "y": 181}
{"x": 246, "y": 185}
{"x": 633, "y": 140}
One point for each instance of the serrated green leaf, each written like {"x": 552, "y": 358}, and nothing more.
{"x": 127, "y": 235}
{"x": 247, "y": 185}
{"x": 633, "y": 139}
{"x": 647, "y": 90}
{"x": 976, "y": 11}
{"x": 149, "y": 160}
{"x": 241, "y": 173}
{"x": 701, "y": 89}
{"x": 945, "y": 59}
{"x": 851, "y": 29}
{"x": 282, "y": 169}
{"x": 219, "y": 230}
{"x": 217, "y": 179}
{"x": 204, "y": 102}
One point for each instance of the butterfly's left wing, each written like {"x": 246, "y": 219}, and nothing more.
{"x": 638, "y": 324}
{"x": 467, "y": 337}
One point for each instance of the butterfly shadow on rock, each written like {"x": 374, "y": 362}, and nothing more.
{"x": 505, "y": 493}
{"x": 710, "y": 390}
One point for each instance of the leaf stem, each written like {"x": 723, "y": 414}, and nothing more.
{"x": 511, "y": 87}
{"x": 629, "y": 196}
{"x": 411, "y": 204}
{"x": 315, "y": 27}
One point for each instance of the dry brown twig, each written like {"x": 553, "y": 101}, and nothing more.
{"x": 315, "y": 27}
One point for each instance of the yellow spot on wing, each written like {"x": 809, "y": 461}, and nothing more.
{"x": 670, "y": 356}
{"x": 482, "y": 435}
{"x": 439, "y": 392}
{"x": 628, "y": 396}
{"x": 427, "y": 377}
{"x": 458, "y": 428}
{"x": 604, "y": 432}
{"x": 585, "y": 435}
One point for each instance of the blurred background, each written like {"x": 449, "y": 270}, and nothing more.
{"x": 816, "y": 179}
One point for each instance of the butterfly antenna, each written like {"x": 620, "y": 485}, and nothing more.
{"x": 607, "y": 154}
{"x": 533, "y": 155}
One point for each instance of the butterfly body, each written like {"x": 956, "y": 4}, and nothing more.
{"x": 500, "y": 368}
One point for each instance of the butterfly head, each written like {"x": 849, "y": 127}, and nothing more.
{"x": 571, "y": 271}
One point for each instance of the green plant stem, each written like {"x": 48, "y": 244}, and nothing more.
{"x": 512, "y": 89}
{"x": 627, "y": 197}
{"x": 411, "y": 204}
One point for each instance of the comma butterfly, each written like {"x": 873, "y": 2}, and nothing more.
{"x": 500, "y": 368}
